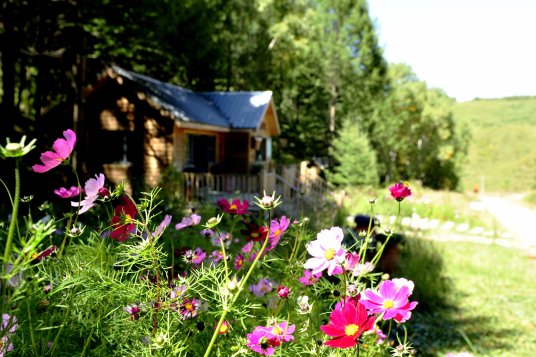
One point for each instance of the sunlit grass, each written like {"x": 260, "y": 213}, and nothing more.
{"x": 492, "y": 298}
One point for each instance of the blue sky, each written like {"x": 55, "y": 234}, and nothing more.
{"x": 469, "y": 48}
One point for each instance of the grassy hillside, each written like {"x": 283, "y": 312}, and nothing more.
{"x": 503, "y": 148}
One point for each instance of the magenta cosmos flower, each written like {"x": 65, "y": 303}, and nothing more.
{"x": 235, "y": 207}
{"x": 326, "y": 250}
{"x": 277, "y": 228}
{"x": 94, "y": 188}
{"x": 346, "y": 324}
{"x": 69, "y": 193}
{"x": 263, "y": 339}
{"x": 62, "y": 149}
{"x": 390, "y": 300}
{"x": 400, "y": 190}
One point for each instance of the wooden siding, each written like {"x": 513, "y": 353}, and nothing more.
{"x": 158, "y": 151}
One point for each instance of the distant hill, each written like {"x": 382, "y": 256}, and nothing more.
{"x": 503, "y": 149}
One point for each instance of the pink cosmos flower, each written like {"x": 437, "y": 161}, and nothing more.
{"x": 163, "y": 225}
{"x": 359, "y": 269}
{"x": 263, "y": 287}
{"x": 69, "y": 193}
{"x": 235, "y": 207}
{"x": 346, "y": 324}
{"x": 263, "y": 339}
{"x": 248, "y": 247}
{"x": 189, "y": 308}
{"x": 193, "y": 220}
{"x": 239, "y": 261}
{"x": 259, "y": 342}
{"x": 277, "y": 228}
{"x": 199, "y": 256}
{"x": 94, "y": 187}
{"x": 327, "y": 251}
{"x": 400, "y": 190}
{"x": 381, "y": 336}
{"x": 216, "y": 256}
{"x": 123, "y": 222}
{"x": 390, "y": 300}
{"x": 309, "y": 278}
{"x": 62, "y": 149}
{"x": 224, "y": 328}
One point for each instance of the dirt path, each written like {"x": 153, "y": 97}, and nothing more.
{"x": 516, "y": 218}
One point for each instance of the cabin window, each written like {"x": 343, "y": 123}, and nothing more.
{"x": 201, "y": 152}
{"x": 115, "y": 148}
{"x": 264, "y": 151}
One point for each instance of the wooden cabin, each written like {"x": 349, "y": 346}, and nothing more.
{"x": 137, "y": 127}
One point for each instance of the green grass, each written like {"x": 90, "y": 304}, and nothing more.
{"x": 491, "y": 302}
{"x": 502, "y": 148}
{"x": 427, "y": 203}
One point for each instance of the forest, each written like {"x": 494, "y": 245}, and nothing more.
{"x": 321, "y": 59}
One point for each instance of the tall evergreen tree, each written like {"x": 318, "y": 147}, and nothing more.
{"x": 355, "y": 159}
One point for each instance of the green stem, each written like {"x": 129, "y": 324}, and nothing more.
{"x": 32, "y": 337}
{"x": 240, "y": 288}
{"x": 14, "y": 213}
{"x": 224, "y": 253}
{"x": 363, "y": 250}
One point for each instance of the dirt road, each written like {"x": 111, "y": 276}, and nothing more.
{"x": 516, "y": 218}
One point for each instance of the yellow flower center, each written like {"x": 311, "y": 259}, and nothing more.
{"x": 277, "y": 330}
{"x": 128, "y": 219}
{"x": 406, "y": 184}
{"x": 277, "y": 232}
{"x": 224, "y": 328}
{"x": 351, "y": 329}
{"x": 233, "y": 207}
{"x": 329, "y": 254}
{"x": 387, "y": 304}
{"x": 188, "y": 306}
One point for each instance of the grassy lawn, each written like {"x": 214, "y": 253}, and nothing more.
{"x": 490, "y": 302}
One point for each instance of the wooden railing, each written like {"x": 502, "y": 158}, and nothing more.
{"x": 206, "y": 186}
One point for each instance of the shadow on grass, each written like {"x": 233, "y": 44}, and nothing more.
{"x": 446, "y": 330}
{"x": 437, "y": 325}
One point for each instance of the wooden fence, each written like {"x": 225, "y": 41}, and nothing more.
{"x": 206, "y": 186}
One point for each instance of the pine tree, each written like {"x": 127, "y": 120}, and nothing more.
{"x": 355, "y": 159}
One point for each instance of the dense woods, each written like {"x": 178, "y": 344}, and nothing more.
{"x": 321, "y": 58}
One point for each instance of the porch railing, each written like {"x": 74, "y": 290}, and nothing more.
{"x": 206, "y": 186}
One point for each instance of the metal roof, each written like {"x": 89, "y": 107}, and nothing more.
{"x": 239, "y": 110}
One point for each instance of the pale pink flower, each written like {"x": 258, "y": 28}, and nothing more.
{"x": 93, "y": 188}
{"x": 327, "y": 251}
{"x": 193, "y": 220}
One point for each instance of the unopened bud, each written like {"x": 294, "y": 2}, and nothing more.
{"x": 13, "y": 148}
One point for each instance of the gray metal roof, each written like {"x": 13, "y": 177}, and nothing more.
{"x": 239, "y": 110}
